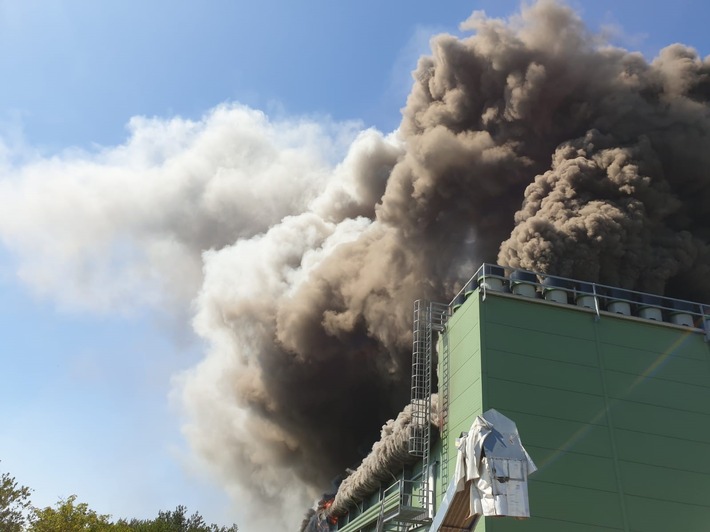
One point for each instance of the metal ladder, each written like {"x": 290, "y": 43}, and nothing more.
{"x": 444, "y": 408}
{"x": 381, "y": 517}
{"x": 429, "y": 317}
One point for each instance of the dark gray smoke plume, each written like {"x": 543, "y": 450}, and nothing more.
{"x": 389, "y": 454}
{"x": 582, "y": 159}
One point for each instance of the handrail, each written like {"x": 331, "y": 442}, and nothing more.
{"x": 543, "y": 283}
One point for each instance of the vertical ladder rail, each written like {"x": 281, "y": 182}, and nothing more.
{"x": 444, "y": 409}
{"x": 429, "y": 318}
{"x": 379, "y": 527}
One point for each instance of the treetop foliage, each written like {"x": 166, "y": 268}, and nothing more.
{"x": 17, "y": 514}
{"x": 15, "y": 504}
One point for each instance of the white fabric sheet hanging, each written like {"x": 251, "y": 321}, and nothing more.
{"x": 495, "y": 466}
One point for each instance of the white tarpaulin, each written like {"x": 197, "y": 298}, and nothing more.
{"x": 493, "y": 463}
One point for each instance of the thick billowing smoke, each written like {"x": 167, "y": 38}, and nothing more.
{"x": 601, "y": 154}
{"x": 582, "y": 159}
{"x": 389, "y": 455}
{"x": 613, "y": 146}
{"x": 606, "y": 212}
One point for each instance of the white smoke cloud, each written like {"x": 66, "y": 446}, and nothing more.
{"x": 223, "y": 217}
{"x": 125, "y": 226}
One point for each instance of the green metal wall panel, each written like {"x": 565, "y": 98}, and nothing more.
{"x": 658, "y": 392}
{"x": 649, "y": 419}
{"x": 531, "y": 398}
{"x": 566, "y": 505}
{"x": 678, "y": 368}
{"x": 676, "y": 485}
{"x": 562, "y": 435}
{"x": 510, "y": 337}
{"x": 615, "y": 412}
{"x": 647, "y": 448}
{"x": 547, "y": 367}
{"x": 576, "y": 469}
{"x": 543, "y": 372}
{"x": 658, "y": 514}
{"x": 464, "y": 379}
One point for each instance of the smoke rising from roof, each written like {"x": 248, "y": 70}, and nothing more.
{"x": 582, "y": 159}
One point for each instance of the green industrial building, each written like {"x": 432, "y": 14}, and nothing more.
{"x": 609, "y": 389}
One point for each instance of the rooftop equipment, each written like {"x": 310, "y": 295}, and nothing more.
{"x": 681, "y": 312}
{"x": 585, "y": 295}
{"x": 523, "y": 283}
{"x": 619, "y": 301}
{"x": 555, "y": 289}
{"x": 649, "y": 307}
{"x": 490, "y": 277}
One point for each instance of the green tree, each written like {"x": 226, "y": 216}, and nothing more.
{"x": 14, "y": 504}
{"x": 18, "y": 515}
{"x": 176, "y": 521}
{"x": 70, "y": 517}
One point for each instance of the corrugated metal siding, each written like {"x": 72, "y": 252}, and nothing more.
{"x": 465, "y": 385}
{"x": 615, "y": 412}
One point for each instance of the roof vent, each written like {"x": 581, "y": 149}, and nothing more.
{"x": 649, "y": 307}
{"x": 584, "y": 295}
{"x": 491, "y": 277}
{"x": 680, "y": 315}
{"x": 470, "y": 288}
{"x": 618, "y": 301}
{"x": 523, "y": 283}
{"x": 555, "y": 289}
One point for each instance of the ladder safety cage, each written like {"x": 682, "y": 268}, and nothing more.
{"x": 429, "y": 318}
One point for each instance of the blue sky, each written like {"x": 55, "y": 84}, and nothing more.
{"x": 87, "y": 401}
